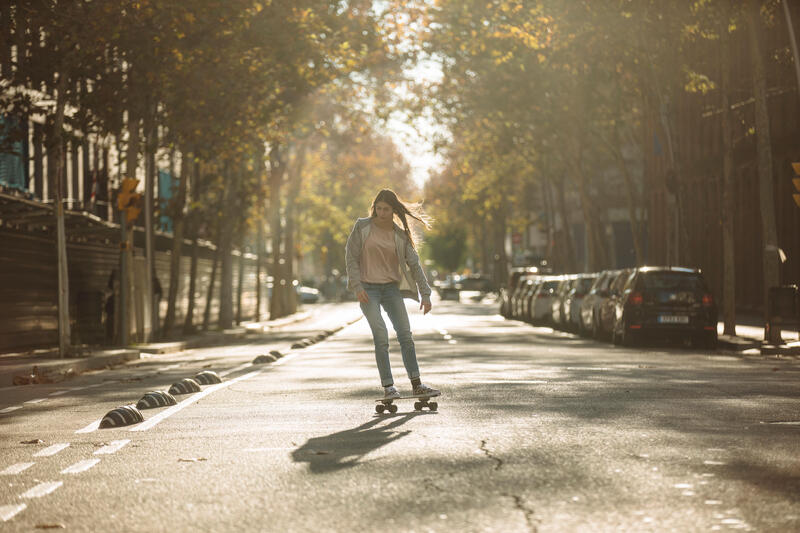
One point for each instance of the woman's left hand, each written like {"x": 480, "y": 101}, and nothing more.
{"x": 426, "y": 306}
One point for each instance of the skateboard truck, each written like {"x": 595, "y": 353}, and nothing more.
{"x": 421, "y": 403}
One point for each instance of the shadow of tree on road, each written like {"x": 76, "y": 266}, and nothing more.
{"x": 346, "y": 449}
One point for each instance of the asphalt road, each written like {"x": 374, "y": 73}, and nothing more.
{"x": 536, "y": 431}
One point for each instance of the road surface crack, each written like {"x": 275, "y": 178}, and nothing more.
{"x": 498, "y": 462}
{"x": 519, "y": 503}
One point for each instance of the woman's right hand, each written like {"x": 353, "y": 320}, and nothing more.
{"x": 362, "y": 297}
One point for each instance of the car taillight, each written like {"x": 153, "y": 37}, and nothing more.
{"x": 636, "y": 298}
{"x": 708, "y": 300}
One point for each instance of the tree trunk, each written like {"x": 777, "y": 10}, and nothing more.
{"x": 728, "y": 187}
{"x": 295, "y": 180}
{"x": 179, "y": 223}
{"x": 240, "y": 283}
{"x": 277, "y": 304}
{"x": 188, "y": 321}
{"x": 769, "y": 232}
{"x": 568, "y": 249}
{"x": 225, "y": 245}
{"x": 500, "y": 266}
{"x": 64, "y": 337}
{"x": 632, "y": 196}
{"x": 210, "y": 294}
{"x": 149, "y": 252}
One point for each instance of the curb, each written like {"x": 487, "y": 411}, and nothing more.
{"x": 54, "y": 371}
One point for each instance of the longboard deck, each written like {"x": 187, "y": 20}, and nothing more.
{"x": 425, "y": 397}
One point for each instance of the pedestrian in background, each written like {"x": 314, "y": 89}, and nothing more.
{"x": 383, "y": 268}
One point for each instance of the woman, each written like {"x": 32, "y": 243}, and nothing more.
{"x": 383, "y": 268}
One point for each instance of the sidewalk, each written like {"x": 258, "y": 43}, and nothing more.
{"x": 749, "y": 338}
{"x": 44, "y": 366}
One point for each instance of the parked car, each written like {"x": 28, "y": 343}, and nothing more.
{"x": 557, "y": 313}
{"x": 591, "y": 303}
{"x": 507, "y": 292}
{"x": 521, "y": 300}
{"x": 542, "y": 300}
{"x": 666, "y": 301}
{"x": 514, "y": 300}
{"x": 307, "y": 295}
{"x": 527, "y": 299}
{"x": 606, "y": 317}
{"x": 572, "y": 303}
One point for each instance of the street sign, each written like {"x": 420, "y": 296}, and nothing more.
{"x": 796, "y": 181}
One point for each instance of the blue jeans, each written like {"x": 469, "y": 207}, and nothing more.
{"x": 388, "y": 295}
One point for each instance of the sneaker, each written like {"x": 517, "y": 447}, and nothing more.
{"x": 390, "y": 393}
{"x": 424, "y": 390}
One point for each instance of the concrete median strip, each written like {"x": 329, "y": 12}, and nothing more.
{"x": 189, "y": 401}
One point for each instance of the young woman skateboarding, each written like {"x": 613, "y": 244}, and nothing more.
{"x": 382, "y": 269}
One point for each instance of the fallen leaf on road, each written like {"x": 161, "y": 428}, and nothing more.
{"x": 319, "y": 452}
{"x": 192, "y": 460}
{"x": 50, "y": 526}
{"x": 34, "y": 441}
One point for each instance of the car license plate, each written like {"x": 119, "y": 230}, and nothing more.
{"x": 673, "y": 319}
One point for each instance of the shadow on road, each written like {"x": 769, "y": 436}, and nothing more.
{"x": 346, "y": 449}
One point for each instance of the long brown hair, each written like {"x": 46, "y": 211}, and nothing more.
{"x": 402, "y": 210}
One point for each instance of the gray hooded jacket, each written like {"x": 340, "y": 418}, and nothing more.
{"x": 412, "y": 277}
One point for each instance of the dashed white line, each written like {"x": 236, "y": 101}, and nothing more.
{"x": 235, "y": 369}
{"x": 94, "y": 426}
{"x": 9, "y": 409}
{"x": 80, "y": 466}
{"x": 51, "y": 450}
{"x": 37, "y": 400}
{"x": 16, "y": 469}
{"x": 7, "y": 512}
{"x": 113, "y": 447}
{"x": 42, "y": 489}
{"x": 60, "y": 392}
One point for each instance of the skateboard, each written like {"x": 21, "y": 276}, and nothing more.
{"x": 387, "y": 405}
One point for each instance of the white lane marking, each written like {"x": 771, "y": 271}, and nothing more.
{"x": 144, "y": 426}
{"x": 235, "y": 369}
{"x": 94, "y": 426}
{"x": 37, "y": 400}
{"x": 168, "y": 367}
{"x": 80, "y": 466}
{"x": 287, "y": 358}
{"x": 60, "y": 392}
{"x": 42, "y": 489}
{"x": 114, "y": 447}
{"x": 509, "y": 381}
{"x": 268, "y": 449}
{"x": 51, "y": 450}
{"x": 7, "y": 512}
{"x": 9, "y": 409}
{"x": 16, "y": 469}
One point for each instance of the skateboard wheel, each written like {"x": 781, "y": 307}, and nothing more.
{"x": 433, "y": 406}
{"x": 379, "y": 408}
{"x": 418, "y": 406}
{"x": 392, "y": 408}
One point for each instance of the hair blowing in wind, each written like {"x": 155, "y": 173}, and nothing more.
{"x": 402, "y": 210}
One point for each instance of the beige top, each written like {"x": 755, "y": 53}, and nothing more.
{"x": 379, "y": 263}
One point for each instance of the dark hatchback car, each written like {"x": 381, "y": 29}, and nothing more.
{"x": 666, "y": 302}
